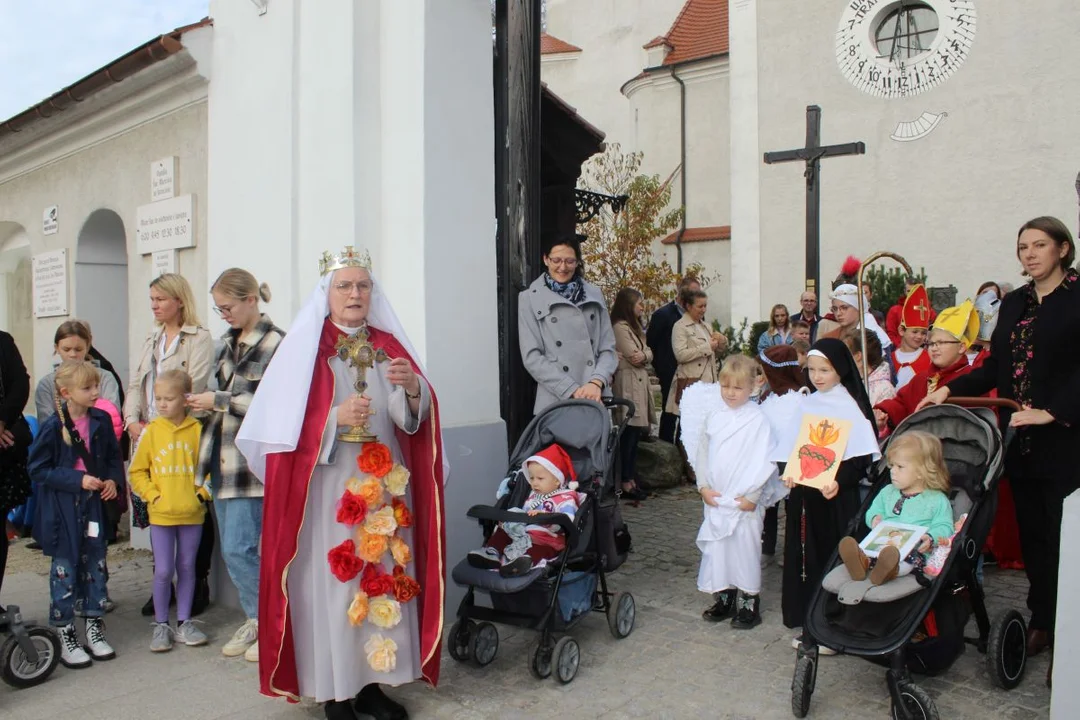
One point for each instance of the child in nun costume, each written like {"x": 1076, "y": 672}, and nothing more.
{"x": 727, "y": 440}
{"x": 817, "y": 519}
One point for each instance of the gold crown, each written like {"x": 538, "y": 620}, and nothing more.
{"x": 348, "y": 257}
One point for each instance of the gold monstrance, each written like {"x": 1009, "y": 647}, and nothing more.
{"x": 359, "y": 353}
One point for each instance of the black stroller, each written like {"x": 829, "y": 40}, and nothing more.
{"x": 880, "y": 623}
{"x": 30, "y": 653}
{"x": 553, "y": 599}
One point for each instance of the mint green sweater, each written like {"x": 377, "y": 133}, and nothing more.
{"x": 930, "y": 509}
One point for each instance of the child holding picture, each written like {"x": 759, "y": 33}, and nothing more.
{"x": 917, "y": 495}
{"x": 817, "y": 519}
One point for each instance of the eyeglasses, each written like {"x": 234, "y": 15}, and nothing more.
{"x": 566, "y": 262}
{"x": 223, "y": 310}
{"x": 940, "y": 343}
{"x": 346, "y": 288}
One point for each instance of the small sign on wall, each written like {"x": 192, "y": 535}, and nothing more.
{"x": 50, "y": 220}
{"x": 163, "y": 179}
{"x": 50, "y": 283}
{"x": 164, "y": 262}
{"x": 166, "y": 224}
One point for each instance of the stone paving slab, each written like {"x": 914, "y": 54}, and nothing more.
{"x": 674, "y": 665}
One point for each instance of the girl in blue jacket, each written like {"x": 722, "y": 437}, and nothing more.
{"x": 76, "y": 465}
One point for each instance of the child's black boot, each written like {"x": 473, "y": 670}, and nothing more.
{"x": 722, "y": 608}
{"x": 748, "y": 614}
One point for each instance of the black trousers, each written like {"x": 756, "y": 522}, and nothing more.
{"x": 1038, "y": 514}
{"x": 3, "y": 555}
{"x": 205, "y": 554}
{"x": 667, "y": 420}
{"x": 770, "y": 530}
{"x": 628, "y": 446}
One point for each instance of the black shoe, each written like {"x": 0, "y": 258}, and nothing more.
{"x": 748, "y": 615}
{"x": 148, "y": 607}
{"x": 33, "y": 545}
{"x": 635, "y": 495}
{"x": 372, "y": 701}
{"x": 339, "y": 710}
{"x": 722, "y": 608}
{"x": 484, "y": 558}
{"x": 520, "y": 566}
{"x": 201, "y": 601}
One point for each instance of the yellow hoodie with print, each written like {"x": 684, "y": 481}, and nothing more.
{"x": 162, "y": 472}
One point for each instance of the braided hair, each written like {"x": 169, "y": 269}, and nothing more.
{"x": 70, "y": 375}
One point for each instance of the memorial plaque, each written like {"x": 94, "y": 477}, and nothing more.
{"x": 166, "y": 225}
{"x": 50, "y": 283}
{"x": 163, "y": 179}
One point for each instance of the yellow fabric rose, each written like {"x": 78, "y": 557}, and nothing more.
{"x": 384, "y": 611}
{"x": 397, "y": 480}
{"x": 381, "y": 522}
{"x": 381, "y": 653}
{"x": 369, "y": 546}
{"x": 358, "y": 609}
{"x": 400, "y": 550}
{"x": 370, "y": 489}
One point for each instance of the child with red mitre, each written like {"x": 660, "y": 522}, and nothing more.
{"x": 954, "y": 331}
{"x": 910, "y": 358}
{"x": 896, "y": 313}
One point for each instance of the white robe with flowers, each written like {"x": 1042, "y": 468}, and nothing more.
{"x": 729, "y": 451}
{"x": 331, "y": 662}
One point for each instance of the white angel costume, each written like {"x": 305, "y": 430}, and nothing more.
{"x": 729, "y": 450}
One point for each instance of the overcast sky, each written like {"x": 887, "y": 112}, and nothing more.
{"x": 46, "y": 45}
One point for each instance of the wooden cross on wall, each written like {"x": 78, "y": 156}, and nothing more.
{"x": 812, "y": 155}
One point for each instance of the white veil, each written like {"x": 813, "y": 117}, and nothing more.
{"x": 276, "y": 414}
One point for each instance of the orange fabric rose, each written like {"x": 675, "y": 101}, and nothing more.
{"x": 402, "y": 513}
{"x": 371, "y": 490}
{"x": 371, "y": 546}
{"x": 358, "y": 608}
{"x": 405, "y": 588}
{"x": 400, "y": 551}
{"x": 375, "y": 459}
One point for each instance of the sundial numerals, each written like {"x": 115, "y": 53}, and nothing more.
{"x": 948, "y": 31}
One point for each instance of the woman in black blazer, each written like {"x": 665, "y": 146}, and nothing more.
{"x": 14, "y": 435}
{"x": 1035, "y": 360}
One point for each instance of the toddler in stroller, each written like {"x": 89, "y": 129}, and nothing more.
{"x": 568, "y": 553}
{"x": 515, "y": 547}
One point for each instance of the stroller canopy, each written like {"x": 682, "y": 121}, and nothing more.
{"x": 582, "y": 427}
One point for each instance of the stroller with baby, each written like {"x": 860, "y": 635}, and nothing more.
{"x": 915, "y": 623}
{"x": 555, "y": 597}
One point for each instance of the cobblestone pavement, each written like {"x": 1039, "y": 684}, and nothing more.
{"x": 674, "y": 665}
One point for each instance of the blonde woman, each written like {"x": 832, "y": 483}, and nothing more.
{"x": 779, "y": 332}
{"x": 246, "y": 350}
{"x": 178, "y": 342}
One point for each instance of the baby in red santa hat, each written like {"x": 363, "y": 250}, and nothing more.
{"x": 516, "y": 548}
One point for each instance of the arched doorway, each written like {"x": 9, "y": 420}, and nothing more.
{"x": 101, "y": 285}
{"x": 15, "y": 294}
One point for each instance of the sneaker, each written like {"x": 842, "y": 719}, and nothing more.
{"x": 722, "y": 608}
{"x": 108, "y": 605}
{"x": 95, "y": 639}
{"x": 485, "y": 558}
{"x": 71, "y": 652}
{"x": 748, "y": 614}
{"x": 246, "y": 636}
{"x": 252, "y": 653}
{"x": 162, "y": 641}
{"x": 190, "y": 635}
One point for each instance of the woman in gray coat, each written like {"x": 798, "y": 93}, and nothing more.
{"x": 564, "y": 330}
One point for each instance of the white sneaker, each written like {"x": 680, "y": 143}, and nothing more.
{"x": 71, "y": 652}
{"x": 242, "y": 640}
{"x": 95, "y": 639}
{"x": 252, "y": 653}
{"x": 190, "y": 635}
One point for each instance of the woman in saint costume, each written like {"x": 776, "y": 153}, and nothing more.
{"x": 353, "y": 549}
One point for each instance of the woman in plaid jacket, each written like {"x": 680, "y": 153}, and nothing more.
{"x": 245, "y": 352}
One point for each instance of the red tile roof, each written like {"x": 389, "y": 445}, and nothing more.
{"x": 700, "y": 31}
{"x": 700, "y": 234}
{"x": 551, "y": 45}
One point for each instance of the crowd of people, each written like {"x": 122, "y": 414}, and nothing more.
{"x": 231, "y": 427}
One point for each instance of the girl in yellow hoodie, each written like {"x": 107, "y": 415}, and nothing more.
{"x": 163, "y": 475}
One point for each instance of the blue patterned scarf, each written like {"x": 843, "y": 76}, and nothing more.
{"x": 574, "y": 291}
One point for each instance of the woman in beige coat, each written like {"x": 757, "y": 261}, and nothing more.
{"x": 178, "y": 342}
{"x": 631, "y": 382}
{"x": 694, "y": 345}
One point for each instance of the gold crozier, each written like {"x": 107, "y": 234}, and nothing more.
{"x": 358, "y": 352}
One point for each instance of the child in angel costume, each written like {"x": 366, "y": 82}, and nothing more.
{"x": 728, "y": 440}
{"x": 515, "y": 548}
{"x": 817, "y": 519}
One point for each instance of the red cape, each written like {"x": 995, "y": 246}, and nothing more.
{"x": 286, "y": 491}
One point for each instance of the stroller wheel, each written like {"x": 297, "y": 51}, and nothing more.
{"x": 567, "y": 656}
{"x": 917, "y": 702}
{"x": 621, "y": 614}
{"x": 540, "y": 659}
{"x": 802, "y": 686}
{"x": 18, "y": 670}
{"x": 485, "y": 643}
{"x": 1006, "y": 651}
{"x": 460, "y": 641}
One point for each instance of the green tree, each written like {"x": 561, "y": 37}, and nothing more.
{"x": 887, "y": 285}
{"x": 619, "y": 252}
